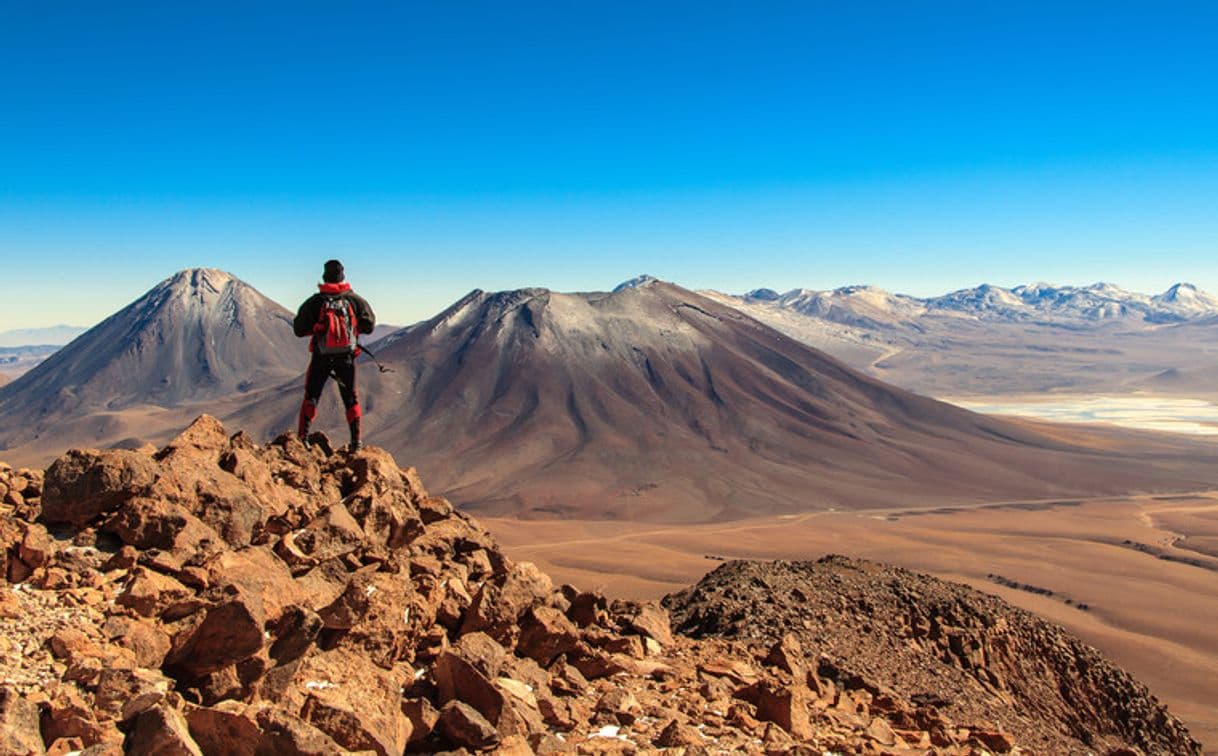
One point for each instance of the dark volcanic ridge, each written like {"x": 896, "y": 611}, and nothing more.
{"x": 921, "y": 639}
{"x": 223, "y": 596}
{"x": 657, "y": 403}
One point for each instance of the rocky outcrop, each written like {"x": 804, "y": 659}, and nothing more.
{"x": 910, "y": 641}
{"x": 220, "y": 596}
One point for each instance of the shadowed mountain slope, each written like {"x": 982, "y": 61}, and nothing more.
{"x": 199, "y": 335}
{"x": 657, "y": 403}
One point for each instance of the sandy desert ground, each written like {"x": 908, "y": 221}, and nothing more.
{"x": 1146, "y": 569}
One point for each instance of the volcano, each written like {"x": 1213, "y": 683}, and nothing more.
{"x": 197, "y": 336}
{"x": 656, "y": 403}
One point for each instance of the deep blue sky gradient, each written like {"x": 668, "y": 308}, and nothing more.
{"x": 439, "y": 147}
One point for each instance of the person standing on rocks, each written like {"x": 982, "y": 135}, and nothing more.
{"x": 333, "y": 318}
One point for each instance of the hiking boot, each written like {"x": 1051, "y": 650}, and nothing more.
{"x": 355, "y": 446}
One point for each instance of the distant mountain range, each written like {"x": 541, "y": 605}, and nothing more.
{"x": 989, "y": 340}
{"x": 50, "y": 336}
{"x": 873, "y": 307}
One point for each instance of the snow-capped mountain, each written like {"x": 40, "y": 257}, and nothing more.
{"x": 1187, "y": 301}
{"x": 869, "y": 306}
{"x": 866, "y": 306}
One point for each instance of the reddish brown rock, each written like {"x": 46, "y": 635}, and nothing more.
{"x": 352, "y": 604}
{"x": 65, "y": 746}
{"x": 434, "y": 508}
{"x": 125, "y": 693}
{"x": 464, "y": 727}
{"x": 513, "y": 745}
{"x": 557, "y": 712}
{"x": 389, "y": 518}
{"x": 353, "y": 728}
{"x": 205, "y": 437}
{"x": 258, "y": 571}
{"x": 321, "y": 585}
{"x": 36, "y": 546}
{"x": 566, "y": 679}
{"x": 678, "y": 735}
{"x": 733, "y": 669}
{"x": 594, "y": 663}
{"x": 85, "y": 484}
{"x": 545, "y": 634}
{"x": 148, "y": 643}
{"x": 777, "y": 740}
{"x": 650, "y": 620}
{"x": 785, "y": 706}
{"x": 388, "y": 620}
{"x": 501, "y": 600}
{"x": 220, "y": 685}
{"x": 221, "y": 501}
{"x": 461, "y": 675}
{"x": 177, "y": 535}
{"x": 995, "y": 740}
{"x": 224, "y": 728}
{"x": 354, "y": 702}
{"x": 67, "y": 714}
{"x": 148, "y": 593}
{"x": 295, "y": 632}
{"x": 231, "y": 630}
{"x": 245, "y": 465}
{"x": 479, "y": 564}
{"x": 333, "y": 534}
{"x": 521, "y": 713}
{"x": 19, "y": 728}
{"x": 308, "y": 601}
{"x": 619, "y": 705}
{"x": 161, "y": 731}
{"x": 70, "y": 644}
{"x": 788, "y": 655}
{"x": 288, "y": 734}
{"x": 587, "y": 609}
{"x": 423, "y": 716}
{"x": 881, "y": 732}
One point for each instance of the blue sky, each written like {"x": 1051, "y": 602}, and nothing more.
{"x": 440, "y": 147}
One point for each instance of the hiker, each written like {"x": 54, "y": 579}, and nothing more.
{"x": 333, "y": 318}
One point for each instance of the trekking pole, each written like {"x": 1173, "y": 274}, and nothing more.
{"x": 375, "y": 361}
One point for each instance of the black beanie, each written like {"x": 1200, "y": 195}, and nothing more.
{"x": 333, "y": 273}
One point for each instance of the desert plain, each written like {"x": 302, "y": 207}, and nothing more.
{"x": 1137, "y": 576}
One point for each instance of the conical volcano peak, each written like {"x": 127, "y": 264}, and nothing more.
{"x": 212, "y": 278}
{"x": 202, "y": 282}
{"x": 200, "y": 334}
{"x": 1181, "y": 290}
{"x": 500, "y": 303}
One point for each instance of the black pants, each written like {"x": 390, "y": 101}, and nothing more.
{"x": 322, "y": 367}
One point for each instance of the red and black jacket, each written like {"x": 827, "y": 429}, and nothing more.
{"x": 310, "y": 312}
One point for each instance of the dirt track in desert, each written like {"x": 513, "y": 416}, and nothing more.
{"x": 1146, "y": 569}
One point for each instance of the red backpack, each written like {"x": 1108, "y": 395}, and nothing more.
{"x": 335, "y": 329}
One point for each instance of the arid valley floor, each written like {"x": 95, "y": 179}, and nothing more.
{"x": 1145, "y": 567}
